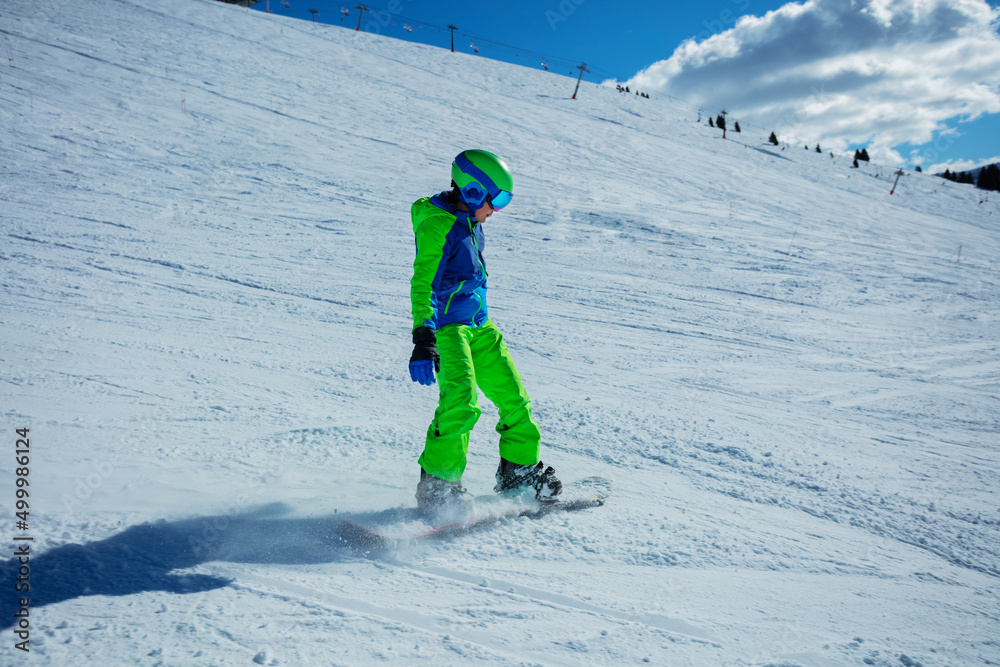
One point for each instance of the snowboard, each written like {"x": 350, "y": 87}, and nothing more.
{"x": 406, "y": 524}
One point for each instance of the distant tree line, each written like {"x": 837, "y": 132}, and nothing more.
{"x": 989, "y": 177}
{"x": 625, "y": 89}
{"x": 720, "y": 122}
{"x": 959, "y": 177}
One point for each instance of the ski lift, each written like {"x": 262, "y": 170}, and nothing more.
{"x": 407, "y": 28}
{"x": 344, "y": 11}
{"x": 545, "y": 65}
{"x": 286, "y": 4}
{"x": 472, "y": 45}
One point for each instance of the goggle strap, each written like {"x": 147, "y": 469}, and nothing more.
{"x": 467, "y": 194}
{"x": 465, "y": 164}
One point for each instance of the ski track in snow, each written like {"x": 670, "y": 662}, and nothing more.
{"x": 791, "y": 377}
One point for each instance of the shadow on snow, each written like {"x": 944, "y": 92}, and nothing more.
{"x": 144, "y": 557}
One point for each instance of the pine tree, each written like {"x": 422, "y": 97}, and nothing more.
{"x": 864, "y": 155}
{"x": 720, "y": 122}
{"x": 919, "y": 170}
{"x": 773, "y": 139}
{"x": 737, "y": 128}
{"x": 710, "y": 123}
{"x": 855, "y": 165}
{"x": 818, "y": 149}
{"x": 983, "y": 181}
{"x": 989, "y": 177}
{"x": 948, "y": 176}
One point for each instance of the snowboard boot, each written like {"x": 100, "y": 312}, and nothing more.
{"x": 513, "y": 478}
{"x": 439, "y": 496}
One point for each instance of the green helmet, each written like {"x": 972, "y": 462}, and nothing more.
{"x": 481, "y": 176}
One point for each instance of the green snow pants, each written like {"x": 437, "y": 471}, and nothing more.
{"x": 472, "y": 358}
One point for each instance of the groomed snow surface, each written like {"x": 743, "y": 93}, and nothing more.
{"x": 791, "y": 376}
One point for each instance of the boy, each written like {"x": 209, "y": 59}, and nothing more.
{"x": 454, "y": 338}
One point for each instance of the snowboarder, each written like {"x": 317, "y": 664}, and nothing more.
{"x": 455, "y": 342}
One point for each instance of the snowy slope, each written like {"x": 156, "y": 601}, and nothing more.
{"x": 791, "y": 376}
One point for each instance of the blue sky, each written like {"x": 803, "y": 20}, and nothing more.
{"x": 912, "y": 117}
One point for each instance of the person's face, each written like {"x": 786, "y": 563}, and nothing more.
{"x": 484, "y": 211}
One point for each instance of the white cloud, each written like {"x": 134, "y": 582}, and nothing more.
{"x": 881, "y": 72}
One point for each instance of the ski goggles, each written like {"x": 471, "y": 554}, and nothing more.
{"x": 500, "y": 200}
{"x": 474, "y": 195}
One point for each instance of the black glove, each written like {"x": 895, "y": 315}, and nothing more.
{"x": 425, "y": 356}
